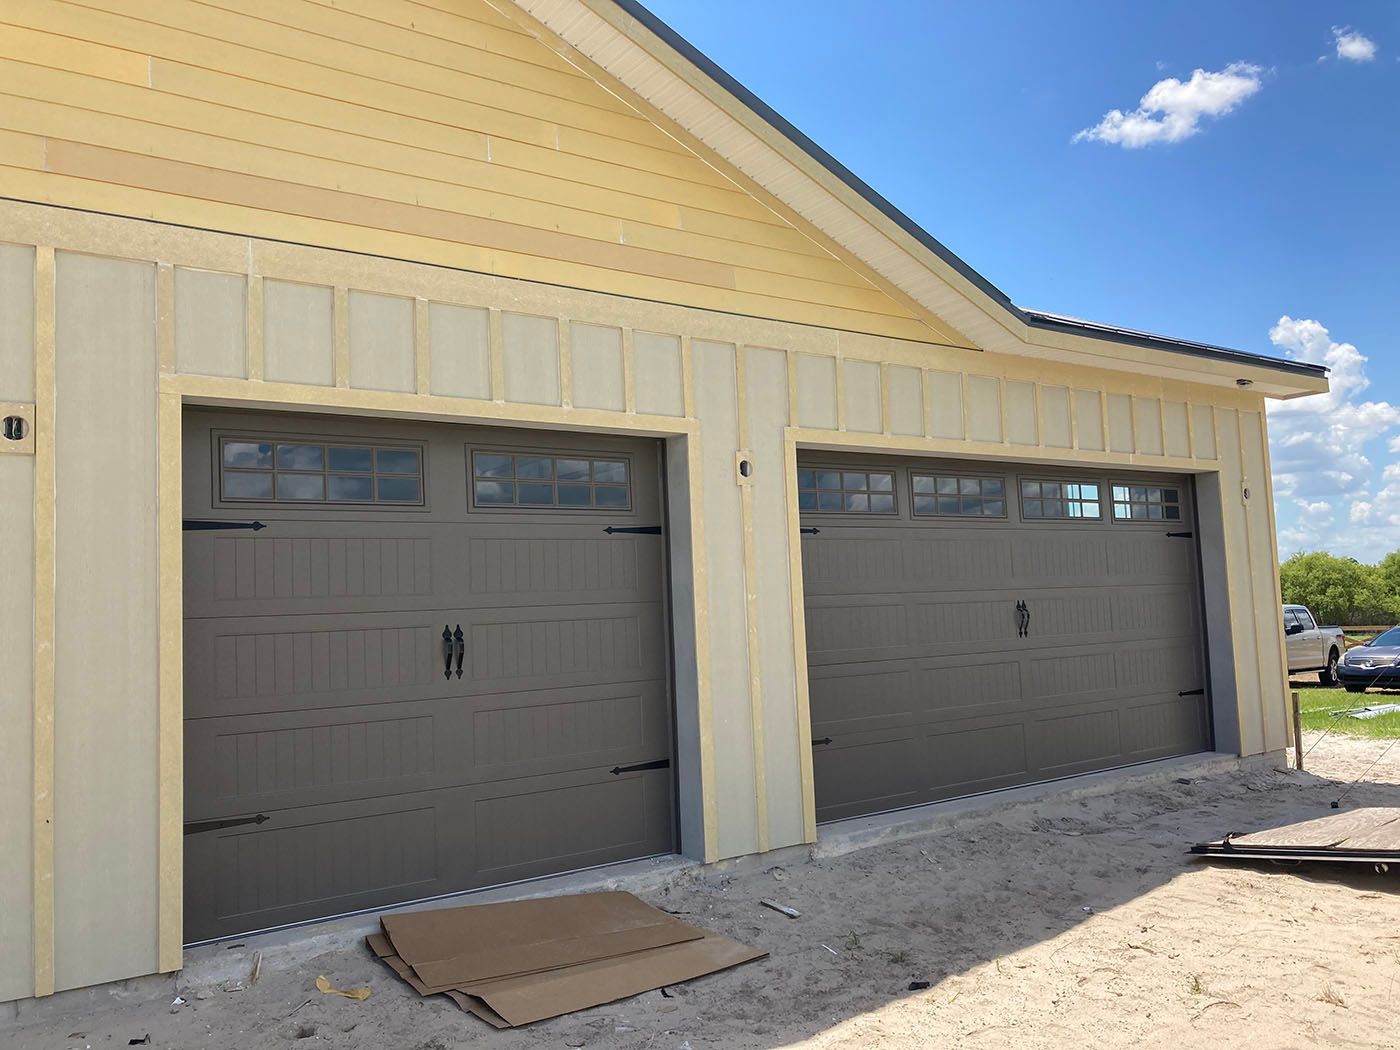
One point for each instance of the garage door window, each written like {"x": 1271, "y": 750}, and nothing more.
{"x": 944, "y": 495}
{"x": 272, "y": 471}
{"x": 845, "y": 491}
{"x": 1059, "y": 500}
{"x": 1146, "y": 503}
{"x": 535, "y": 482}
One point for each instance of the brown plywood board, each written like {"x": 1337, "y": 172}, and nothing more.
{"x": 1375, "y": 828}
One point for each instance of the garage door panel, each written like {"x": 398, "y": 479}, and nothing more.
{"x": 964, "y": 758}
{"x": 318, "y": 757}
{"x": 1050, "y": 555}
{"x": 1170, "y": 666}
{"x": 868, "y": 629}
{"x": 540, "y": 648}
{"x": 934, "y": 651}
{"x": 1163, "y": 726}
{"x": 869, "y": 772}
{"x": 1075, "y": 741}
{"x": 323, "y": 860}
{"x": 570, "y": 822}
{"x": 842, "y": 703}
{"x": 527, "y": 734}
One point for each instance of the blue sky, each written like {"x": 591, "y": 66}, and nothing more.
{"x": 1256, "y": 205}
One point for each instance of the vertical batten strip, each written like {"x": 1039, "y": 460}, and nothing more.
{"x": 165, "y": 318}
{"x": 792, "y": 387}
{"x": 1267, "y": 481}
{"x": 799, "y": 638}
{"x": 253, "y": 334}
{"x": 45, "y": 479}
{"x": 704, "y": 695}
{"x": 629, "y": 374}
{"x": 1103, "y": 422}
{"x": 170, "y": 731}
{"x": 497, "y": 354}
{"x": 760, "y": 772}
{"x": 341, "y": 312}
{"x": 840, "y": 393}
{"x": 1191, "y": 430}
{"x": 687, "y": 377}
{"x": 566, "y": 363}
{"x": 884, "y": 398}
{"x": 926, "y": 396}
{"x": 422, "y": 341}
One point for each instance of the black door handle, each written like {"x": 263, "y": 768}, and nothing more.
{"x": 446, "y": 651}
{"x": 1028, "y": 621}
{"x": 1023, "y": 619}
{"x": 461, "y": 641}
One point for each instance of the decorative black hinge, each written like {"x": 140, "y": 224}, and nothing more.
{"x": 824, "y": 740}
{"x": 809, "y": 532}
{"x": 640, "y": 530}
{"x": 660, "y": 763}
{"x": 196, "y": 525}
{"x": 1180, "y": 535}
{"x": 1192, "y": 692}
{"x": 217, "y": 825}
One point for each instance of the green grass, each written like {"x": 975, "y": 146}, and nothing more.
{"x": 1319, "y": 703}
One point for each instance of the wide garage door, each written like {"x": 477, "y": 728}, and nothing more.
{"x": 976, "y": 626}
{"x": 435, "y": 667}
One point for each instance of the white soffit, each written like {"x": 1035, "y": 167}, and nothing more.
{"x": 608, "y": 36}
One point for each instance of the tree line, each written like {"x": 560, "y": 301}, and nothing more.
{"x": 1343, "y": 591}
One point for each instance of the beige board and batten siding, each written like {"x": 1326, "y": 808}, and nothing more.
{"x": 729, "y": 374}
{"x": 17, "y": 636}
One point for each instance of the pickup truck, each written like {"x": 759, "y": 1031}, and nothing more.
{"x": 1310, "y": 647}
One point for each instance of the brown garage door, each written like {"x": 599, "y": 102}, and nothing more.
{"x": 976, "y": 626}
{"x": 340, "y": 753}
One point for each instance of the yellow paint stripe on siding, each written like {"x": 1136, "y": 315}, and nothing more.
{"x": 78, "y": 56}
{"x": 271, "y": 195}
{"x": 53, "y": 188}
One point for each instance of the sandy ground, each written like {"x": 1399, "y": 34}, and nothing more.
{"x": 1066, "y": 923}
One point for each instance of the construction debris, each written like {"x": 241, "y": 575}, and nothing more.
{"x": 325, "y": 986}
{"x": 523, "y": 961}
{"x": 791, "y": 913}
{"x": 1361, "y": 836}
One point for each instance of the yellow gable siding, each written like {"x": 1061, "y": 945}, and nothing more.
{"x": 434, "y": 130}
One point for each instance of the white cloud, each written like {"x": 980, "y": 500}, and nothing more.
{"x": 1172, "y": 110}
{"x": 1353, "y": 46}
{"x": 1321, "y": 448}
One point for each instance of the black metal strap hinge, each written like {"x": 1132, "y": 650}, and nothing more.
{"x": 1180, "y": 535}
{"x": 196, "y": 525}
{"x": 640, "y": 530}
{"x": 1192, "y": 692}
{"x": 822, "y": 742}
{"x": 218, "y": 825}
{"x": 660, "y": 763}
{"x": 809, "y": 532}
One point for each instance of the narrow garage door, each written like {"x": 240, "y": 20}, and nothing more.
{"x": 976, "y": 626}
{"x": 345, "y": 746}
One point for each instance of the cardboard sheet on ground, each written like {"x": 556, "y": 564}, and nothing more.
{"x": 1355, "y": 835}
{"x": 534, "y": 960}
{"x": 453, "y": 946}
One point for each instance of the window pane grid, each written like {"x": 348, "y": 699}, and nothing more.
{"x": 946, "y": 495}
{"x": 268, "y": 470}
{"x": 1060, "y": 500}
{"x": 1146, "y": 503}
{"x": 532, "y": 481}
{"x": 845, "y": 491}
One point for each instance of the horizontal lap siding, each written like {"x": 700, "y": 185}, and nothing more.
{"x": 433, "y": 132}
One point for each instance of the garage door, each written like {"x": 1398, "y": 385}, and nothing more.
{"x": 975, "y": 626}
{"x": 440, "y": 664}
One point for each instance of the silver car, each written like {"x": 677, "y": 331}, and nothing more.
{"x": 1375, "y": 663}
